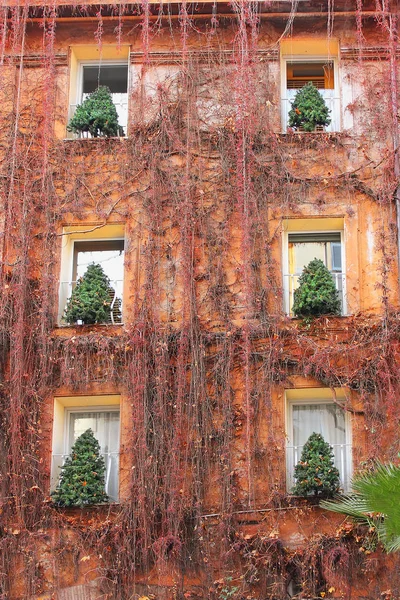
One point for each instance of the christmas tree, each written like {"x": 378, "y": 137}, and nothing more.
{"x": 97, "y": 115}
{"x": 91, "y": 298}
{"x": 316, "y": 294}
{"x": 308, "y": 109}
{"x": 82, "y": 475}
{"x": 315, "y": 473}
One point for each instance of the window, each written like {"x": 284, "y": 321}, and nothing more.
{"x": 103, "y": 246}
{"x": 313, "y": 410}
{"x": 109, "y": 254}
{"x": 315, "y": 61}
{"x": 78, "y": 592}
{"x": 301, "y": 246}
{"x": 72, "y": 417}
{"x": 294, "y": 587}
{"x": 89, "y": 71}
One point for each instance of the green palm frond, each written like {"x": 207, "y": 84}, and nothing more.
{"x": 375, "y": 503}
{"x": 353, "y": 506}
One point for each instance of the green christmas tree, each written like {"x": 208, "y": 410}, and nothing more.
{"x": 97, "y": 115}
{"x": 316, "y": 294}
{"x": 91, "y": 298}
{"x": 315, "y": 473}
{"x": 308, "y": 109}
{"x": 82, "y": 475}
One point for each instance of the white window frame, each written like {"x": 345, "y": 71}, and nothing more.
{"x": 61, "y": 426}
{"x": 335, "y": 115}
{"x": 285, "y": 265}
{"x": 79, "y": 85}
{"x": 67, "y": 262}
{"x": 346, "y": 452}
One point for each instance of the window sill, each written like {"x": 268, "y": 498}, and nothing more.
{"x": 99, "y": 509}
{"x": 311, "y": 500}
{"x": 342, "y": 325}
{"x": 78, "y": 325}
{"x": 67, "y": 330}
{"x": 293, "y": 135}
{"x": 313, "y": 319}
{"x": 95, "y": 139}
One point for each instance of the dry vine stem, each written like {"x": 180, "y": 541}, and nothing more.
{"x": 207, "y": 189}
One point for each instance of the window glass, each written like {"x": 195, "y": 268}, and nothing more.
{"x": 114, "y": 77}
{"x": 108, "y": 253}
{"x": 336, "y": 249}
{"x": 326, "y": 419}
{"x": 79, "y": 254}
{"x": 303, "y": 248}
{"x": 299, "y": 74}
{"x": 105, "y": 426}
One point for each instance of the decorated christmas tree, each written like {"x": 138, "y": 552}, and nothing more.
{"x": 316, "y": 294}
{"x": 97, "y": 115}
{"x": 91, "y": 298}
{"x": 82, "y": 475}
{"x": 308, "y": 109}
{"x": 315, "y": 473}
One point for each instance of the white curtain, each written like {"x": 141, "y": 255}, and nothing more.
{"x": 105, "y": 427}
{"x": 326, "y": 419}
{"x": 329, "y": 420}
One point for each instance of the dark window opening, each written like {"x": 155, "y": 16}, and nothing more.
{"x": 321, "y": 74}
{"x": 115, "y": 77}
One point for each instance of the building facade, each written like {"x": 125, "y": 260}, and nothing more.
{"x": 203, "y": 386}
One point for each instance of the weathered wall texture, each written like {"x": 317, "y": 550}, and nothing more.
{"x": 207, "y": 187}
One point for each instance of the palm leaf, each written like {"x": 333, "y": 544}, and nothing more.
{"x": 375, "y": 503}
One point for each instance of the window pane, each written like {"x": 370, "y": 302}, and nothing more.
{"x": 114, "y": 77}
{"x": 112, "y": 263}
{"x": 105, "y": 426}
{"x": 336, "y": 256}
{"x": 304, "y": 253}
{"x": 300, "y": 73}
{"x": 307, "y": 69}
{"x": 315, "y": 236}
{"x": 329, "y": 420}
{"x": 326, "y": 419}
{"x": 108, "y": 253}
{"x": 304, "y": 247}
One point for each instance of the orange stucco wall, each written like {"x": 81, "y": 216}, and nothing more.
{"x": 237, "y": 273}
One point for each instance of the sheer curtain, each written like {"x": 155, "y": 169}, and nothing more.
{"x": 326, "y": 419}
{"x": 105, "y": 426}
{"x": 329, "y": 420}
